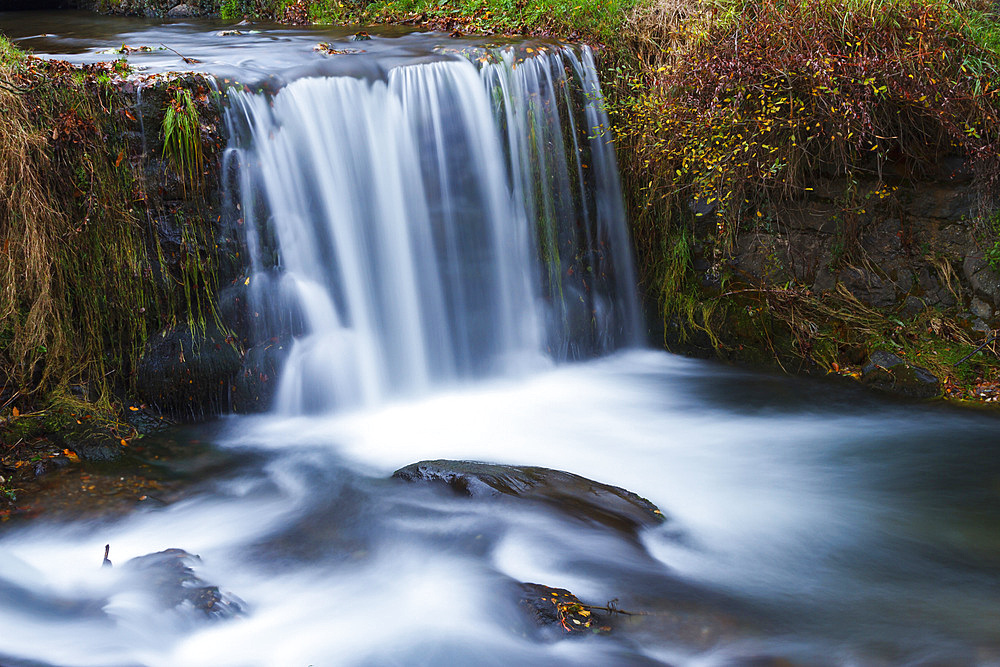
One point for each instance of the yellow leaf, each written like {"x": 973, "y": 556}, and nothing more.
{"x": 17, "y": 413}
{"x": 247, "y": 281}
{"x": 133, "y": 408}
{"x": 124, "y": 444}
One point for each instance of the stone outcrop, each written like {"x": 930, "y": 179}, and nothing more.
{"x": 570, "y": 494}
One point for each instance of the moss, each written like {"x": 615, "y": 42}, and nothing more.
{"x": 84, "y": 286}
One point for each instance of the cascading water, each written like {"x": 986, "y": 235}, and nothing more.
{"x": 446, "y": 221}
{"x": 441, "y": 221}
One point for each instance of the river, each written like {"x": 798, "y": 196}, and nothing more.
{"x": 808, "y": 522}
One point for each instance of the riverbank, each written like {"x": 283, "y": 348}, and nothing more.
{"x": 106, "y": 230}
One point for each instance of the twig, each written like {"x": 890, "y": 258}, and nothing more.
{"x": 12, "y": 447}
{"x": 188, "y": 61}
{"x": 10, "y": 400}
{"x": 15, "y": 89}
{"x": 989, "y": 340}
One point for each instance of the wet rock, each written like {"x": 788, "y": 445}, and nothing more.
{"x": 90, "y": 441}
{"x": 980, "y": 308}
{"x": 868, "y": 287}
{"x": 571, "y": 494}
{"x": 170, "y": 577}
{"x": 887, "y": 372}
{"x": 947, "y": 203}
{"x": 182, "y": 12}
{"x": 912, "y": 305}
{"x": 145, "y": 421}
{"x": 187, "y": 373}
{"x": 255, "y": 384}
{"x": 560, "y": 612}
{"x": 933, "y": 292}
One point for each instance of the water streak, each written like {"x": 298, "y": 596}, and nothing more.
{"x": 449, "y": 221}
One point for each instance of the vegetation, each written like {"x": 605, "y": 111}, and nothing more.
{"x": 182, "y": 135}
{"x": 768, "y": 95}
{"x": 67, "y": 194}
{"x": 72, "y": 198}
{"x": 727, "y": 111}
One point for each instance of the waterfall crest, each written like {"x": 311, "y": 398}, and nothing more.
{"x": 455, "y": 219}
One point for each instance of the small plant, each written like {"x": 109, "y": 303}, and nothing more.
{"x": 8, "y": 492}
{"x": 230, "y": 10}
{"x": 988, "y": 231}
{"x": 182, "y": 136}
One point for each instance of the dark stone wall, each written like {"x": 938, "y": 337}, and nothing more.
{"x": 900, "y": 244}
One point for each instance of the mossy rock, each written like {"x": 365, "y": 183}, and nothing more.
{"x": 889, "y": 373}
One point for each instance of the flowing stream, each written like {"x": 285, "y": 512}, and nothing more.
{"x": 438, "y": 236}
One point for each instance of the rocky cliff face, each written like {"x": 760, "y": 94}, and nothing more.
{"x": 850, "y": 269}
{"x": 906, "y": 248}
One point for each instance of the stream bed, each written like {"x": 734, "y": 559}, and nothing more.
{"x": 807, "y": 522}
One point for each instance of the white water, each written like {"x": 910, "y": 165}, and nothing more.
{"x": 806, "y": 523}
{"x": 409, "y": 216}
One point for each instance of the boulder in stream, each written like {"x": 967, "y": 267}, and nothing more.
{"x": 170, "y": 578}
{"x": 571, "y": 494}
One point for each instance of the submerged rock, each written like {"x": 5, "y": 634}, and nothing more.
{"x": 171, "y": 580}
{"x": 88, "y": 438}
{"x": 571, "y": 494}
{"x": 887, "y": 372}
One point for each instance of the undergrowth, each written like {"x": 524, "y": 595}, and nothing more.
{"x": 67, "y": 195}
{"x": 83, "y": 282}
{"x": 727, "y": 110}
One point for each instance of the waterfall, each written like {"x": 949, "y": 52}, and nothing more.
{"x": 448, "y": 220}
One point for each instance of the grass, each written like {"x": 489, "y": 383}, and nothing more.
{"x": 182, "y": 136}
{"x": 82, "y": 285}
{"x": 67, "y": 207}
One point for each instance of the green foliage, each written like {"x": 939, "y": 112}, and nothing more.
{"x": 182, "y": 136}
{"x": 230, "y": 10}
{"x": 728, "y": 109}
{"x": 988, "y": 228}
{"x": 234, "y": 10}
{"x": 81, "y": 284}
{"x": 66, "y": 194}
